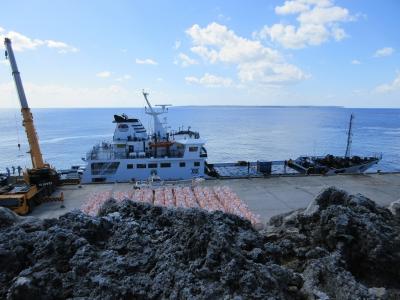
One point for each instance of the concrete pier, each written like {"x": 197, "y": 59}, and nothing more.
{"x": 271, "y": 196}
{"x": 264, "y": 196}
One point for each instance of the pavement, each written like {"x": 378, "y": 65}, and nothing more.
{"x": 264, "y": 196}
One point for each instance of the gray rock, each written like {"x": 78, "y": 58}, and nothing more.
{"x": 341, "y": 247}
{"x": 7, "y": 217}
{"x": 345, "y": 245}
{"x": 23, "y": 288}
{"x": 135, "y": 250}
{"x": 394, "y": 208}
{"x": 379, "y": 293}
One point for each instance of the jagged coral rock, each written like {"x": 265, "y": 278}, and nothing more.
{"x": 342, "y": 244}
{"x": 136, "y": 250}
{"x": 340, "y": 247}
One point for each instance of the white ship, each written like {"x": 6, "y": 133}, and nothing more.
{"x": 135, "y": 154}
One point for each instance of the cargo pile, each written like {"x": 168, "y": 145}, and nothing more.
{"x": 340, "y": 247}
{"x": 218, "y": 198}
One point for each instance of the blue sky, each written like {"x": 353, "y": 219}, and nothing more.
{"x": 296, "y": 52}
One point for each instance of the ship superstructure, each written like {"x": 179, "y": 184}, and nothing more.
{"x": 136, "y": 154}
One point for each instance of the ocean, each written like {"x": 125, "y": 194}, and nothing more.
{"x": 232, "y": 133}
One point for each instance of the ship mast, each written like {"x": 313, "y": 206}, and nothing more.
{"x": 36, "y": 154}
{"x": 159, "y": 129}
{"x": 349, "y": 136}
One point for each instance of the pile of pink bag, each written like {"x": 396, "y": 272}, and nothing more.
{"x": 209, "y": 198}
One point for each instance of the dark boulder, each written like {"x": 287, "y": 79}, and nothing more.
{"x": 344, "y": 245}
{"x": 135, "y": 250}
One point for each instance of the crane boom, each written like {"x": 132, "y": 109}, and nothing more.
{"x": 36, "y": 154}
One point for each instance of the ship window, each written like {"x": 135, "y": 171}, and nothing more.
{"x": 120, "y": 145}
{"x": 104, "y": 168}
{"x": 123, "y": 127}
{"x": 193, "y": 149}
{"x": 165, "y": 165}
{"x": 152, "y": 166}
{"x": 99, "y": 179}
{"x": 195, "y": 171}
{"x": 197, "y": 164}
{"x": 141, "y": 166}
{"x": 182, "y": 164}
{"x": 129, "y": 166}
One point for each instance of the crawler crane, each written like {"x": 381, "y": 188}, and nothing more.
{"x": 39, "y": 181}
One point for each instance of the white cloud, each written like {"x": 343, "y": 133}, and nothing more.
{"x": 355, "y": 62}
{"x": 57, "y": 95}
{"x": 104, "y": 74}
{"x": 185, "y": 60}
{"x": 255, "y": 63}
{"x": 146, "y": 61}
{"x": 209, "y": 80}
{"x": 324, "y": 15}
{"x": 386, "y": 51}
{"x": 123, "y": 78}
{"x": 21, "y": 42}
{"x": 291, "y": 7}
{"x": 160, "y": 79}
{"x": 389, "y": 87}
{"x": 192, "y": 79}
{"x": 319, "y": 21}
{"x": 223, "y": 18}
{"x": 61, "y": 46}
{"x": 210, "y": 55}
{"x": 177, "y": 45}
{"x": 3, "y": 62}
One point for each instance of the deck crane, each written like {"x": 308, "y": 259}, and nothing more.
{"x": 40, "y": 181}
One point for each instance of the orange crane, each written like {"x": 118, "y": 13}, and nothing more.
{"x": 40, "y": 181}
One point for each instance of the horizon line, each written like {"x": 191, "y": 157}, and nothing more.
{"x": 214, "y": 105}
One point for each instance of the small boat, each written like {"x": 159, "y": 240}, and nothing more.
{"x": 331, "y": 164}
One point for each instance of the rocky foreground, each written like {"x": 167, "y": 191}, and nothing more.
{"x": 340, "y": 247}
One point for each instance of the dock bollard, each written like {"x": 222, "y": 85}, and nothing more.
{"x": 62, "y": 200}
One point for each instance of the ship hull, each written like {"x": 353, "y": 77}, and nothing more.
{"x": 128, "y": 170}
{"x": 353, "y": 169}
{"x": 314, "y": 167}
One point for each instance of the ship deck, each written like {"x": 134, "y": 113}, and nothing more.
{"x": 264, "y": 196}
{"x": 235, "y": 170}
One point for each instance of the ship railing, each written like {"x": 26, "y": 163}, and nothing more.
{"x": 149, "y": 154}
{"x": 97, "y": 154}
{"x": 377, "y": 155}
